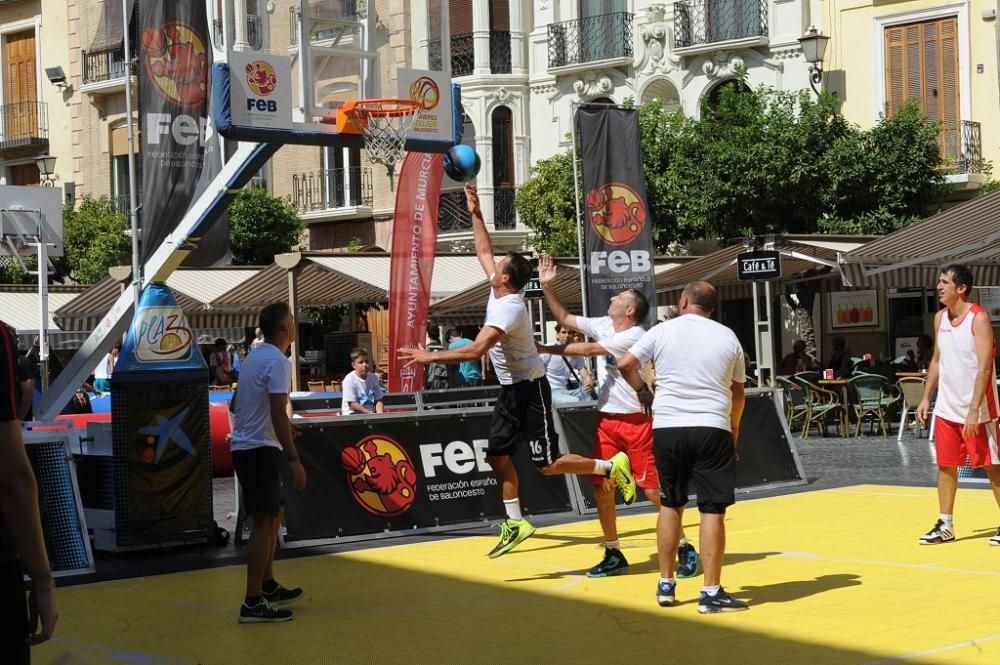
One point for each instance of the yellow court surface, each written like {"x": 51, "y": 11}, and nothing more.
{"x": 832, "y": 576}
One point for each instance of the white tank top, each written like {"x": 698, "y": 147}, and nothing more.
{"x": 957, "y": 370}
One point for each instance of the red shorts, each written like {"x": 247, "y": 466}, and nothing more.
{"x": 952, "y": 448}
{"x": 633, "y": 434}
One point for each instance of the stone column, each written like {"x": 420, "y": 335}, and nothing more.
{"x": 518, "y": 39}
{"x": 481, "y": 39}
{"x": 240, "y": 42}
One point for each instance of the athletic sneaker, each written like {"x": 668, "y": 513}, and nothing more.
{"x": 512, "y": 533}
{"x": 665, "y": 593}
{"x": 995, "y": 540}
{"x": 281, "y": 596}
{"x": 621, "y": 474}
{"x": 687, "y": 561}
{"x": 720, "y": 602}
{"x": 263, "y": 612}
{"x": 614, "y": 563}
{"x": 938, "y": 534}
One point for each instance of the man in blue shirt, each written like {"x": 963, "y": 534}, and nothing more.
{"x": 470, "y": 372}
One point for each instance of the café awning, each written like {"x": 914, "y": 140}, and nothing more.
{"x": 913, "y": 256}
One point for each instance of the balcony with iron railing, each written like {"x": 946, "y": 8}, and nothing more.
{"x": 462, "y": 53}
{"x": 705, "y": 25}
{"x": 332, "y": 189}
{"x": 961, "y": 147}
{"x": 340, "y": 25}
{"x": 254, "y": 32}
{"x": 581, "y": 42}
{"x": 104, "y": 66}
{"x": 453, "y": 212}
{"x": 24, "y": 128}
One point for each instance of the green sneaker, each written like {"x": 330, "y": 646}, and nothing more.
{"x": 621, "y": 474}
{"x": 512, "y": 533}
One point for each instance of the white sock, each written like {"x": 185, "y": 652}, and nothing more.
{"x": 711, "y": 590}
{"x": 602, "y": 467}
{"x": 513, "y": 508}
{"x": 947, "y": 519}
{"x": 684, "y": 541}
{"x": 669, "y": 580}
{"x": 612, "y": 545}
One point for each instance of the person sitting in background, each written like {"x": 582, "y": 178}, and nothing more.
{"x": 586, "y": 378}
{"x": 436, "y": 375}
{"x": 362, "y": 389}
{"x": 840, "y": 359}
{"x": 470, "y": 372}
{"x": 798, "y": 360}
{"x": 921, "y": 360}
{"x": 563, "y": 372}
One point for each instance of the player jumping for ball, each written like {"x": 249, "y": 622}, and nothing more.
{"x": 523, "y": 411}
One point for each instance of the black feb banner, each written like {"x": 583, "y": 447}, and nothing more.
{"x": 373, "y": 476}
{"x": 619, "y": 243}
{"x": 180, "y": 149}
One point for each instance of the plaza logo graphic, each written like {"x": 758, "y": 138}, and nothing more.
{"x": 425, "y": 91}
{"x": 261, "y": 78}
{"x": 617, "y": 214}
{"x": 381, "y": 475}
{"x": 177, "y": 62}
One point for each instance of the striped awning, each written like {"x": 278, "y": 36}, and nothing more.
{"x": 912, "y": 257}
{"x": 799, "y": 254}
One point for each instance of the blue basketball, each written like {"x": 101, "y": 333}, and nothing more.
{"x": 461, "y": 163}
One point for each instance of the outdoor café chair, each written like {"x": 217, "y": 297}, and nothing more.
{"x": 821, "y": 404}
{"x": 794, "y": 400}
{"x": 911, "y": 390}
{"x": 873, "y": 400}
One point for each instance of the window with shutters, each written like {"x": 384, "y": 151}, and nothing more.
{"x": 921, "y": 64}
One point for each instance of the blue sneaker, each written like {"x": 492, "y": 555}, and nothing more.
{"x": 614, "y": 563}
{"x": 720, "y": 602}
{"x": 687, "y": 561}
{"x": 665, "y": 593}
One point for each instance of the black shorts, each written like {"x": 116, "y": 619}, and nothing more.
{"x": 699, "y": 458}
{"x": 523, "y": 412}
{"x": 14, "y": 629}
{"x": 257, "y": 470}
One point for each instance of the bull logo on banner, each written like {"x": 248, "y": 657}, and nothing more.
{"x": 177, "y": 62}
{"x": 381, "y": 475}
{"x": 617, "y": 213}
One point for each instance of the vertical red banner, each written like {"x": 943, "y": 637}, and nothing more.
{"x": 414, "y": 240}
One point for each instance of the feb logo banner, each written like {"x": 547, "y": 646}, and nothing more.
{"x": 261, "y": 90}
{"x": 161, "y": 334}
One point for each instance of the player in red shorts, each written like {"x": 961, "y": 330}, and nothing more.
{"x": 966, "y": 410}
{"x": 622, "y": 425}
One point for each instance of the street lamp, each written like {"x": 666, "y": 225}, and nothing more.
{"x": 46, "y": 169}
{"x": 813, "y": 49}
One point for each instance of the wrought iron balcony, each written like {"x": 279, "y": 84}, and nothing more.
{"x": 453, "y": 212}
{"x": 462, "y": 53}
{"x": 590, "y": 39}
{"x": 504, "y": 214}
{"x": 23, "y": 125}
{"x": 340, "y": 21}
{"x": 254, "y": 33}
{"x": 103, "y": 66}
{"x": 698, "y": 22}
{"x": 330, "y": 189}
{"x": 961, "y": 146}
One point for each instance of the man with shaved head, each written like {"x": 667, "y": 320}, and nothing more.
{"x": 696, "y": 417}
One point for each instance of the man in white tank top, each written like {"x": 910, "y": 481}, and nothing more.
{"x": 966, "y": 410}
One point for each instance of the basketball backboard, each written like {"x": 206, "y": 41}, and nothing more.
{"x": 290, "y": 83}
{"x": 28, "y": 214}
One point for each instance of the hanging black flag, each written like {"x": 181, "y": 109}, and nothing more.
{"x": 619, "y": 243}
{"x": 180, "y": 149}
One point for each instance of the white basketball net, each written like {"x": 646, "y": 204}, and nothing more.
{"x": 385, "y": 135}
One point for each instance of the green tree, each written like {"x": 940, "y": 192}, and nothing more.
{"x": 95, "y": 238}
{"x": 260, "y": 226}
{"x": 545, "y": 204}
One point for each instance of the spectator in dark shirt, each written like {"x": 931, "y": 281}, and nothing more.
{"x": 840, "y": 359}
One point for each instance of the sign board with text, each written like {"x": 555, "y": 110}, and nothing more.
{"x": 758, "y": 266}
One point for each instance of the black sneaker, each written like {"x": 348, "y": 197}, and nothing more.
{"x": 614, "y": 563}
{"x": 687, "y": 561}
{"x": 938, "y": 534}
{"x": 720, "y": 602}
{"x": 281, "y": 596}
{"x": 263, "y": 612}
{"x": 665, "y": 593}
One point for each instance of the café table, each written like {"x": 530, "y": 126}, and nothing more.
{"x": 919, "y": 375}
{"x": 834, "y": 384}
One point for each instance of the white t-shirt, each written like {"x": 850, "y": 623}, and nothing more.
{"x": 266, "y": 371}
{"x": 615, "y": 395}
{"x": 697, "y": 360}
{"x": 103, "y": 369}
{"x": 558, "y": 372}
{"x": 514, "y": 357}
{"x": 365, "y": 392}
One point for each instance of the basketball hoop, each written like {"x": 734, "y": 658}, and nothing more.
{"x": 385, "y": 124}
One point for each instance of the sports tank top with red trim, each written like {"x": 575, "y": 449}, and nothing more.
{"x": 958, "y": 368}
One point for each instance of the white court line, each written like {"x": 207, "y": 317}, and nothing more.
{"x": 928, "y": 652}
{"x": 896, "y": 564}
